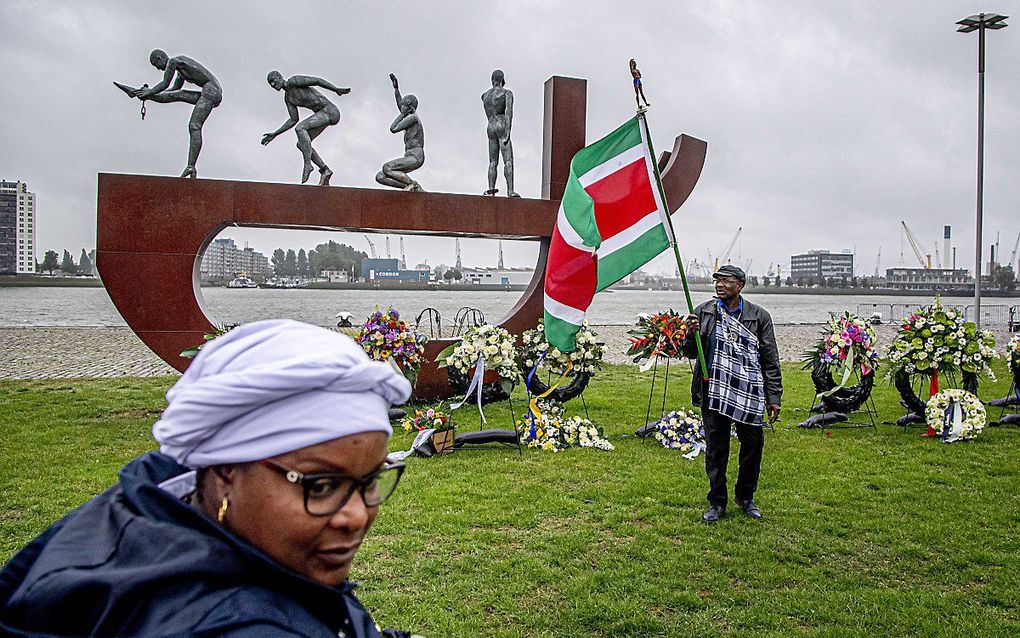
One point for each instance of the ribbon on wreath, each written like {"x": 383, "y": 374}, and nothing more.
{"x": 699, "y": 447}
{"x": 654, "y": 356}
{"x": 534, "y": 412}
{"x": 474, "y": 386}
{"x": 933, "y": 389}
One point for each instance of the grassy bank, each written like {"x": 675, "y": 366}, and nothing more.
{"x": 867, "y": 533}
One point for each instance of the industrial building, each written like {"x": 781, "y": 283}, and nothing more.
{"x": 498, "y": 276}
{"x": 930, "y": 279}
{"x": 17, "y": 228}
{"x": 817, "y": 266}
{"x": 385, "y": 269}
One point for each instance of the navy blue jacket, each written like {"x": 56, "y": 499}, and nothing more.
{"x": 136, "y": 561}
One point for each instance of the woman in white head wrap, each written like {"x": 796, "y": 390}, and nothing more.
{"x": 271, "y": 469}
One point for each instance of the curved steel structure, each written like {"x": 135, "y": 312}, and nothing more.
{"x": 152, "y": 231}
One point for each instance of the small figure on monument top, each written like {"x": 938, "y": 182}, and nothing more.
{"x": 299, "y": 90}
{"x": 498, "y": 103}
{"x": 205, "y": 100}
{"x": 639, "y": 91}
{"x": 394, "y": 172}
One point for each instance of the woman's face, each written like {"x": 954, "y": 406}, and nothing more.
{"x": 269, "y": 512}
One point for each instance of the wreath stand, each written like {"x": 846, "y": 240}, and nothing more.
{"x": 1009, "y": 403}
{"x": 834, "y": 410}
{"x": 910, "y": 393}
{"x": 491, "y": 393}
{"x": 573, "y": 390}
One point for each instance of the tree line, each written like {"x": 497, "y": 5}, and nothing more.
{"x": 53, "y": 262}
{"x": 327, "y": 256}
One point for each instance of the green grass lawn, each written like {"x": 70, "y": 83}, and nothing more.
{"x": 866, "y": 533}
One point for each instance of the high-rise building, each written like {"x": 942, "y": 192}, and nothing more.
{"x": 222, "y": 259}
{"x": 17, "y": 228}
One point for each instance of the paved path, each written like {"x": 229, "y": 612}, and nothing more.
{"x": 55, "y": 353}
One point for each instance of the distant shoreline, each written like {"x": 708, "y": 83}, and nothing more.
{"x": 23, "y": 281}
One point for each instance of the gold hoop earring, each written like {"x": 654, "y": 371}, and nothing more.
{"x": 223, "y": 509}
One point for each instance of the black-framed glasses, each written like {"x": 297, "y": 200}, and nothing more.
{"x": 326, "y": 494}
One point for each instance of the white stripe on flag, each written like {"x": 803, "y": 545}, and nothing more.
{"x": 613, "y": 164}
{"x": 563, "y": 312}
{"x": 624, "y": 237}
{"x": 570, "y": 235}
{"x": 663, "y": 213}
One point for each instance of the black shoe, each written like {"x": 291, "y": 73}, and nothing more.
{"x": 750, "y": 509}
{"x": 714, "y": 513}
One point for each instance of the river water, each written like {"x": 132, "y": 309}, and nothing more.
{"x": 91, "y": 307}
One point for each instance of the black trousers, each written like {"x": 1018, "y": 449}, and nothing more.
{"x": 717, "y": 455}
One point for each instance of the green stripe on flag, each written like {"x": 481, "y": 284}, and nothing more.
{"x": 620, "y": 263}
{"x": 579, "y": 209}
{"x": 560, "y": 334}
{"x": 623, "y": 138}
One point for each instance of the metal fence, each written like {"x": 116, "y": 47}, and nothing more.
{"x": 992, "y": 315}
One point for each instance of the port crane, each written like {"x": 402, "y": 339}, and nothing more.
{"x": 403, "y": 259}
{"x": 1012, "y": 255}
{"x": 725, "y": 257}
{"x": 878, "y": 261}
{"x": 921, "y": 258}
{"x": 456, "y": 243}
{"x": 371, "y": 248}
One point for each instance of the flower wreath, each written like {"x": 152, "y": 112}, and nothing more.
{"x": 936, "y": 339}
{"x": 386, "y": 337}
{"x": 681, "y": 430}
{"x": 552, "y": 432}
{"x": 583, "y": 362}
{"x": 973, "y": 419}
{"x": 848, "y": 344}
{"x": 491, "y": 345}
{"x": 661, "y": 334}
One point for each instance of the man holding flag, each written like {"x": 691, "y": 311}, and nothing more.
{"x": 743, "y": 382}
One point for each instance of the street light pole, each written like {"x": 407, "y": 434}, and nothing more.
{"x": 979, "y": 23}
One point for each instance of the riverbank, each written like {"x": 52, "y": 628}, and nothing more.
{"x": 66, "y": 353}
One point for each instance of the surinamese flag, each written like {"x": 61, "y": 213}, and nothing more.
{"x": 611, "y": 221}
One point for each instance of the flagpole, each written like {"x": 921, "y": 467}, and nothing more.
{"x": 672, "y": 238}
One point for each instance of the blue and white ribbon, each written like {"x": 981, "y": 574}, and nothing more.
{"x": 475, "y": 386}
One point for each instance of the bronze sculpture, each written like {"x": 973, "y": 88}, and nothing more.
{"x": 639, "y": 91}
{"x": 394, "y": 172}
{"x": 498, "y": 103}
{"x": 205, "y": 100}
{"x": 299, "y": 90}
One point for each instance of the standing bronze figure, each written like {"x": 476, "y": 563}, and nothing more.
{"x": 205, "y": 100}
{"x": 639, "y": 91}
{"x": 498, "y": 103}
{"x": 300, "y": 91}
{"x": 394, "y": 172}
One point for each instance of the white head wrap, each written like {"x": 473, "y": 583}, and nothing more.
{"x": 271, "y": 387}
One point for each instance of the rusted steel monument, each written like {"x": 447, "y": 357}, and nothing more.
{"x": 152, "y": 231}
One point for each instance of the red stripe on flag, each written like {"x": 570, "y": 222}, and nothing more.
{"x": 570, "y": 274}
{"x": 622, "y": 198}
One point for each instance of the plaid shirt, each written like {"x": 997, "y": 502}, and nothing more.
{"x": 735, "y": 386}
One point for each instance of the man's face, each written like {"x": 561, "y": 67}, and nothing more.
{"x": 159, "y": 61}
{"x": 727, "y": 288}
{"x": 276, "y": 81}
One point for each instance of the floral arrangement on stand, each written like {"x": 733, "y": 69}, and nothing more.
{"x": 552, "y": 432}
{"x": 972, "y": 420}
{"x": 658, "y": 335}
{"x": 1014, "y": 359}
{"x": 681, "y": 430}
{"x": 847, "y": 345}
{"x": 936, "y": 339}
{"x": 487, "y": 348}
{"x": 429, "y": 418}
{"x": 387, "y": 337}
{"x": 580, "y": 365}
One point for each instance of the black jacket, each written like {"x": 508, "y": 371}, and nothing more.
{"x": 135, "y": 561}
{"x": 758, "y": 321}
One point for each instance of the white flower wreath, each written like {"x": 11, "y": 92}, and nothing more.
{"x": 680, "y": 430}
{"x": 493, "y": 343}
{"x": 973, "y": 412}
{"x": 552, "y": 432}
{"x": 586, "y": 358}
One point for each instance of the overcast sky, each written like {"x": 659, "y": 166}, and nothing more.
{"x": 827, "y": 122}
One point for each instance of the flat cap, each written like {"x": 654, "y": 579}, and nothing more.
{"x": 729, "y": 270}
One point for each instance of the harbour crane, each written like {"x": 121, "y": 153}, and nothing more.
{"x": 878, "y": 261}
{"x": 371, "y": 248}
{"x": 403, "y": 259}
{"x": 499, "y": 264}
{"x": 1012, "y": 255}
{"x": 456, "y": 244}
{"x": 925, "y": 263}
{"x": 725, "y": 257}
{"x": 938, "y": 258}
{"x": 388, "y": 254}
